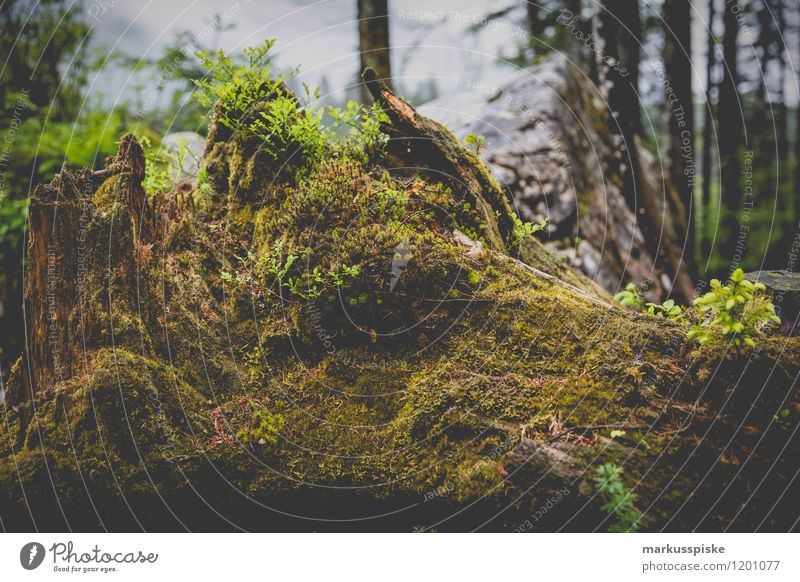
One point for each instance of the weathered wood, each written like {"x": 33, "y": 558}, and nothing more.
{"x": 81, "y": 265}
{"x": 423, "y": 143}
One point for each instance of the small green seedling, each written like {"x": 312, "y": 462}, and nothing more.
{"x": 523, "y": 230}
{"x": 475, "y": 140}
{"x": 631, "y": 297}
{"x": 669, "y": 310}
{"x": 735, "y": 312}
{"x": 619, "y": 500}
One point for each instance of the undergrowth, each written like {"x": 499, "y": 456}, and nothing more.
{"x": 619, "y": 500}
{"x": 735, "y": 312}
{"x": 250, "y": 98}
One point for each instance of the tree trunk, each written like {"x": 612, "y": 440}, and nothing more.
{"x": 784, "y": 179}
{"x": 708, "y": 133}
{"x": 10, "y": 311}
{"x": 796, "y": 198}
{"x": 618, "y": 31}
{"x": 730, "y": 134}
{"x": 532, "y": 11}
{"x": 780, "y": 94}
{"x": 679, "y": 116}
{"x": 373, "y": 35}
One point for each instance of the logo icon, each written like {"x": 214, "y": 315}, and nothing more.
{"x": 31, "y": 555}
{"x": 400, "y": 258}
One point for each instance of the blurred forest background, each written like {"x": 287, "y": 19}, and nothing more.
{"x": 71, "y": 85}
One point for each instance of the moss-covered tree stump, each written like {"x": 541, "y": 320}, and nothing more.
{"x": 359, "y": 345}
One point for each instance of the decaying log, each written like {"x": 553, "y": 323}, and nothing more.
{"x": 182, "y": 398}
{"x": 419, "y": 144}
{"x": 423, "y": 143}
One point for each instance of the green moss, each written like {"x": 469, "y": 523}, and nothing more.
{"x": 107, "y": 194}
{"x": 416, "y": 372}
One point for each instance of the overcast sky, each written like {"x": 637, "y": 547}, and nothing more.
{"x": 321, "y": 36}
{"x": 428, "y": 38}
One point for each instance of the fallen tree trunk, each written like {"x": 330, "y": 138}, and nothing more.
{"x": 395, "y": 373}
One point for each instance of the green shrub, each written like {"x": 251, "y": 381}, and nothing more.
{"x": 734, "y": 312}
{"x": 235, "y": 87}
{"x": 631, "y": 297}
{"x": 523, "y": 230}
{"x": 475, "y": 140}
{"x": 158, "y": 173}
{"x": 669, "y": 310}
{"x": 204, "y": 187}
{"x": 619, "y": 500}
{"x": 356, "y": 130}
{"x": 250, "y": 99}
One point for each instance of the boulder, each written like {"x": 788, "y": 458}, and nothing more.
{"x": 785, "y": 289}
{"x": 547, "y": 141}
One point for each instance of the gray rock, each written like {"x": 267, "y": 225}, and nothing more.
{"x": 548, "y": 144}
{"x": 785, "y": 289}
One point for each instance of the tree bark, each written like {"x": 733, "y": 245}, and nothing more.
{"x": 618, "y": 29}
{"x": 796, "y": 226}
{"x": 708, "y": 133}
{"x": 373, "y": 34}
{"x": 10, "y": 309}
{"x": 679, "y": 116}
{"x": 71, "y": 258}
{"x": 618, "y": 26}
{"x": 730, "y": 132}
{"x": 780, "y": 93}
